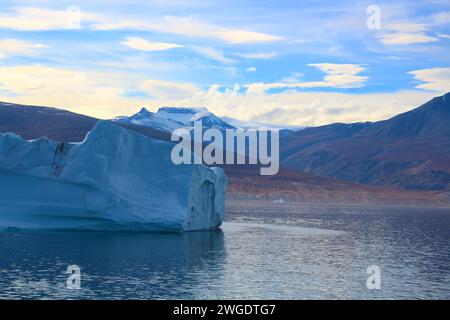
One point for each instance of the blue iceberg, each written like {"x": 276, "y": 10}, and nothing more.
{"x": 116, "y": 179}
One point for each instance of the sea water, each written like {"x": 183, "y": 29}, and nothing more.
{"x": 303, "y": 252}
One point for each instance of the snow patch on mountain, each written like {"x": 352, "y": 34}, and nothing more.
{"x": 184, "y": 115}
{"x": 188, "y": 116}
{"x": 150, "y": 119}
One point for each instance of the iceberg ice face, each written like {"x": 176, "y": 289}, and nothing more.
{"x": 116, "y": 179}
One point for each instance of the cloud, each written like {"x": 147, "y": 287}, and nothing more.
{"x": 407, "y": 27}
{"x": 433, "y": 79}
{"x": 19, "y": 47}
{"x": 444, "y": 36}
{"x": 168, "y": 89}
{"x": 267, "y": 55}
{"x": 307, "y": 108}
{"x": 89, "y": 92}
{"x": 407, "y": 38}
{"x": 250, "y": 69}
{"x": 144, "y": 45}
{"x": 406, "y": 33}
{"x": 337, "y": 76}
{"x": 338, "y": 69}
{"x": 293, "y": 77}
{"x": 190, "y": 27}
{"x": 28, "y": 18}
{"x": 42, "y": 19}
{"x": 92, "y": 92}
{"x": 104, "y": 95}
{"x": 442, "y": 17}
{"x": 213, "y": 54}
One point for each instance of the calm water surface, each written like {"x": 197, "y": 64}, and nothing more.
{"x": 273, "y": 252}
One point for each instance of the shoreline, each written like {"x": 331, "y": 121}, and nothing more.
{"x": 290, "y": 203}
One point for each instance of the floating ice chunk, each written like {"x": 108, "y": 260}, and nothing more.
{"x": 116, "y": 179}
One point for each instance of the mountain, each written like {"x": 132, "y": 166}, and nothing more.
{"x": 151, "y": 120}
{"x": 170, "y": 118}
{"x": 187, "y": 116}
{"x": 245, "y": 184}
{"x": 32, "y": 122}
{"x": 259, "y": 125}
{"x": 410, "y": 150}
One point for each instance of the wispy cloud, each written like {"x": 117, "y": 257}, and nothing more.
{"x": 265, "y": 55}
{"x": 293, "y": 77}
{"x": 407, "y": 38}
{"x": 434, "y": 79}
{"x": 19, "y": 47}
{"x": 41, "y": 19}
{"x": 145, "y": 45}
{"x": 190, "y": 27}
{"x": 406, "y": 33}
{"x": 168, "y": 89}
{"x": 214, "y": 54}
{"x": 337, "y": 76}
{"x": 442, "y": 17}
{"x": 251, "y": 69}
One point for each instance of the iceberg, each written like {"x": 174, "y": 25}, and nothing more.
{"x": 116, "y": 179}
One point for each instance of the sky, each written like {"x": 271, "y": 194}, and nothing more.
{"x": 285, "y": 62}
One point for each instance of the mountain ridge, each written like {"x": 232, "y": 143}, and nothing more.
{"x": 410, "y": 150}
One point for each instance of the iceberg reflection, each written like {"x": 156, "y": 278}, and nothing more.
{"x": 116, "y": 265}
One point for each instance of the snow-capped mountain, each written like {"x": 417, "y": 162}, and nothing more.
{"x": 187, "y": 116}
{"x": 151, "y": 119}
{"x": 171, "y": 118}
